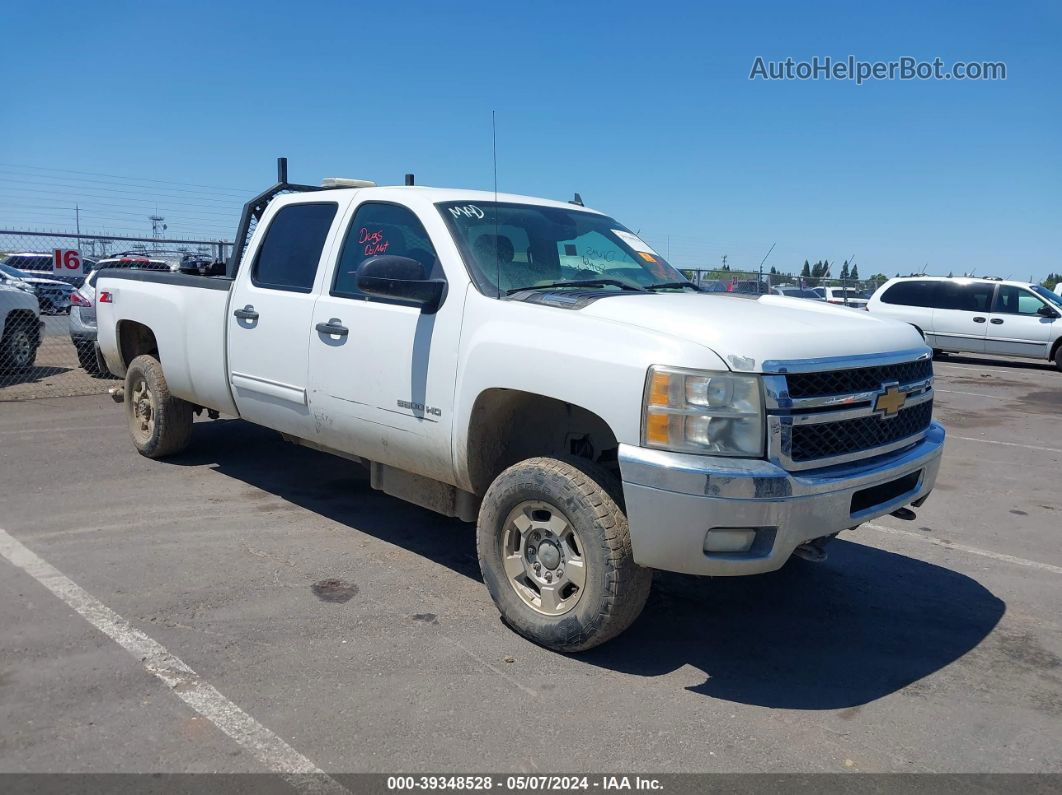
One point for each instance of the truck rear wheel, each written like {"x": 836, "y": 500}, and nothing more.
{"x": 555, "y": 553}
{"x": 160, "y": 424}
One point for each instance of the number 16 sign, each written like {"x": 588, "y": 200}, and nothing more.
{"x": 67, "y": 259}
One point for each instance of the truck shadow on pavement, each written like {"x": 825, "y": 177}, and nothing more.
{"x": 828, "y": 636}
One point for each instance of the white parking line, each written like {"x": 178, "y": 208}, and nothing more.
{"x": 1032, "y": 564}
{"x": 1006, "y": 444}
{"x": 975, "y": 394}
{"x": 976, "y": 367}
{"x": 201, "y": 696}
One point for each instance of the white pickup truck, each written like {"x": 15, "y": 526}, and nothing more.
{"x": 535, "y": 367}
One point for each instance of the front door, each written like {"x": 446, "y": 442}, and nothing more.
{"x": 960, "y": 319}
{"x": 1015, "y": 326}
{"x": 270, "y": 318}
{"x": 382, "y": 371}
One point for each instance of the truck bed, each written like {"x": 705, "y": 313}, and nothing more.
{"x": 187, "y": 315}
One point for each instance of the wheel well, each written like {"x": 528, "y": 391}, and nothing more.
{"x": 507, "y": 426}
{"x": 1055, "y": 347}
{"x": 135, "y": 339}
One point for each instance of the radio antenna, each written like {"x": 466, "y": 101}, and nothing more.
{"x": 497, "y": 257}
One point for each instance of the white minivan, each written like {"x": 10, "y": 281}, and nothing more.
{"x": 1003, "y": 318}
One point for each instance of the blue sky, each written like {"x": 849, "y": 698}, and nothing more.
{"x": 646, "y": 109}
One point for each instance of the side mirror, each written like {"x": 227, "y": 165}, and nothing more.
{"x": 400, "y": 278}
{"x": 1047, "y": 311}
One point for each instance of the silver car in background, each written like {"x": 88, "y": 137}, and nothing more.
{"x": 83, "y": 307}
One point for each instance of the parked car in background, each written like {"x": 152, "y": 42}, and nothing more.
{"x": 749, "y": 286}
{"x": 43, "y": 265}
{"x": 848, "y": 296}
{"x": 20, "y": 329}
{"x": 53, "y": 295}
{"x": 83, "y": 307}
{"x": 797, "y": 292}
{"x": 1005, "y": 318}
{"x": 712, "y": 286}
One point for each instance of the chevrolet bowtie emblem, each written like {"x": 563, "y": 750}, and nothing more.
{"x": 890, "y": 400}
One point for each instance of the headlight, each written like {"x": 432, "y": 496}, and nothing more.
{"x": 693, "y": 411}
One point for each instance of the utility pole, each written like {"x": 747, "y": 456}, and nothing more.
{"x": 157, "y": 226}
{"x": 77, "y": 223}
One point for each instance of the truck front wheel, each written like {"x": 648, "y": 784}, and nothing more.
{"x": 555, "y": 553}
{"x": 159, "y": 423}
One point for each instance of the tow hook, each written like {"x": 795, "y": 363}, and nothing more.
{"x": 904, "y": 513}
{"x": 814, "y": 550}
{"x": 117, "y": 394}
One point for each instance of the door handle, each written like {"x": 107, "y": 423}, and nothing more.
{"x": 998, "y": 321}
{"x": 247, "y": 313}
{"x": 333, "y": 326}
{"x": 979, "y": 320}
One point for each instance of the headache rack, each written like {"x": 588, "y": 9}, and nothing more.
{"x": 253, "y": 210}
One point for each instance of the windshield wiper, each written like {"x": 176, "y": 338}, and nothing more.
{"x": 580, "y": 283}
{"x": 673, "y": 285}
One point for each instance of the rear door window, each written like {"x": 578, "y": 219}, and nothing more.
{"x": 976, "y": 297}
{"x": 914, "y": 293}
{"x": 291, "y": 251}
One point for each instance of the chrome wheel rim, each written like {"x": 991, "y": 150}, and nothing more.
{"x": 543, "y": 558}
{"x": 142, "y": 407}
{"x": 22, "y": 348}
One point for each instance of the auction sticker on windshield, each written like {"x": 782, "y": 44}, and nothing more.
{"x": 633, "y": 241}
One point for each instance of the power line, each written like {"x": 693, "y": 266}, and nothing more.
{"x": 116, "y": 176}
{"x": 152, "y": 196}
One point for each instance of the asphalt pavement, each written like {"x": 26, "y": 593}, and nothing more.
{"x": 355, "y": 628}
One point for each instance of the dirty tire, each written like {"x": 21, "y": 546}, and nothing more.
{"x": 615, "y": 588}
{"x": 18, "y": 347}
{"x": 167, "y": 429}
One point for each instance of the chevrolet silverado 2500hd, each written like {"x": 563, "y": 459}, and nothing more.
{"x": 537, "y": 368}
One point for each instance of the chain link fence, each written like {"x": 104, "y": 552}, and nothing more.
{"x": 854, "y": 291}
{"x": 47, "y": 304}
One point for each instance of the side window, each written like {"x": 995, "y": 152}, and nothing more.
{"x": 976, "y": 297}
{"x": 911, "y": 294}
{"x": 291, "y": 250}
{"x": 1013, "y": 300}
{"x": 379, "y": 229}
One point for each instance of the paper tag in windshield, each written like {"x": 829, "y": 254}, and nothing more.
{"x": 633, "y": 241}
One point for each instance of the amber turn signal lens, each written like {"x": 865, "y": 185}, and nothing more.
{"x": 656, "y": 428}
{"x": 659, "y": 389}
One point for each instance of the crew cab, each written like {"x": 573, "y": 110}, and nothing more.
{"x": 535, "y": 367}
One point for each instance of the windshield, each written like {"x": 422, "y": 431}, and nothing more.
{"x": 1047, "y": 295}
{"x": 13, "y": 272}
{"x": 509, "y": 246}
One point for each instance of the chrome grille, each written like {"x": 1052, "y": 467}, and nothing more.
{"x": 822, "y": 413}
{"x": 828, "y": 439}
{"x": 859, "y": 379}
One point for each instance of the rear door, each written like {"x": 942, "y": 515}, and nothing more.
{"x": 960, "y": 316}
{"x": 1015, "y": 327}
{"x": 269, "y": 318}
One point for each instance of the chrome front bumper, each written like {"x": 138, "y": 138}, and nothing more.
{"x": 674, "y": 499}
